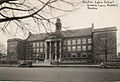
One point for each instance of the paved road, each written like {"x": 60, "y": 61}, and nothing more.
{"x": 59, "y": 74}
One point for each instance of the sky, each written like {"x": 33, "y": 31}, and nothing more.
{"x": 108, "y": 16}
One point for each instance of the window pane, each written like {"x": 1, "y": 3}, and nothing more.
{"x": 69, "y": 42}
{"x": 83, "y": 41}
{"x": 41, "y": 44}
{"x": 78, "y": 48}
{"x": 78, "y": 54}
{"x": 37, "y": 44}
{"x": 74, "y": 48}
{"x": 64, "y": 48}
{"x": 41, "y": 49}
{"x": 89, "y": 47}
{"x": 37, "y": 50}
{"x": 83, "y": 47}
{"x": 34, "y": 50}
{"x": 64, "y": 42}
{"x": 34, "y": 44}
{"x": 89, "y": 40}
{"x": 84, "y": 54}
{"x": 79, "y": 41}
{"x": 73, "y": 42}
{"x": 69, "y": 48}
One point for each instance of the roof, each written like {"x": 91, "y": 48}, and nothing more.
{"x": 65, "y": 34}
{"x": 69, "y": 33}
{"x": 105, "y": 29}
{"x": 14, "y": 39}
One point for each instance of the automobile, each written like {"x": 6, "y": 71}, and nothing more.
{"x": 110, "y": 64}
{"x": 25, "y": 64}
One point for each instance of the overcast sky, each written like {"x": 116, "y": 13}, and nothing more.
{"x": 84, "y": 17}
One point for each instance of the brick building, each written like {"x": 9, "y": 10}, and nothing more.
{"x": 77, "y": 45}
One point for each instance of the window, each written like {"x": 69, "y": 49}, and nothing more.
{"x": 84, "y": 54}
{"x": 79, "y": 41}
{"x": 37, "y": 55}
{"x": 34, "y": 56}
{"x": 89, "y": 47}
{"x": 84, "y": 41}
{"x": 89, "y": 40}
{"x": 73, "y": 42}
{"x": 64, "y": 55}
{"x": 74, "y": 55}
{"x": 64, "y": 42}
{"x": 74, "y": 48}
{"x": 89, "y": 55}
{"x": 68, "y": 54}
{"x": 64, "y": 48}
{"x": 34, "y": 44}
{"x": 83, "y": 47}
{"x": 69, "y": 48}
{"x": 78, "y": 54}
{"x": 69, "y": 42}
{"x": 37, "y": 44}
{"x": 78, "y": 48}
{"x": 37, "y": 50}
{"x": 41, "y": 49}
{"x": 34, "y": 50}
{"x": 41, "y": 44}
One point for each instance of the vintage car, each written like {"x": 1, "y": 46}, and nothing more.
{"x": 110, "y": 64}
{"x": 25, "y": 64}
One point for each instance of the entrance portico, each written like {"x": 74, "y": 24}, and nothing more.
{"x": 53, "y": 49}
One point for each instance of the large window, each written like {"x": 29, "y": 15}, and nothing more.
{"x": 84, "y": 48}
{"x": 73, "y": 48}
{"x": 84, "y": 41}
{"x": 69, "y": 42}
{"x": 89, "y": 40}
{"x": 78, "y": 48}
{"x": 78, "y": 41}
{"x": 73, "y": 42}
{"x": 69, "y": 48}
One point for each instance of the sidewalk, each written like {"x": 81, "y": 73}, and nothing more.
{"x": 91, "y": 66}
{"x": 8, "y": 65}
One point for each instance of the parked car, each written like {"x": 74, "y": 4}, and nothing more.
{"x": 25, "y": 64}
{"x": 110, "y": 64}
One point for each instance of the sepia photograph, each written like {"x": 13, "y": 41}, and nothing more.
{"x": 60, "y": 40}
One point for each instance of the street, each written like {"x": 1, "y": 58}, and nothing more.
{"x": 59, "y": 74}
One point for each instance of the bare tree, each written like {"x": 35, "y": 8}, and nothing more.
{"x": 40, "y": 11}
{"x": 105, "y": 45}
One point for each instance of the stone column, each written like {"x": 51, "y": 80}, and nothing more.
{"x": 60, "y": 50}
{"x": 50, "y": 51}
{"x": 45, "y": 51}
{"x": 56, "y": 50}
